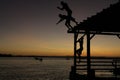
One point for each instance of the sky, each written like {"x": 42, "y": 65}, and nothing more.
{"x": 28, "y": 27}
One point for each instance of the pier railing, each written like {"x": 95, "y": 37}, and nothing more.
{"x": 102, "y": 66}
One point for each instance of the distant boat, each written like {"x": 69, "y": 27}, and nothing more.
{"x": 41, "y": 59}
{"x": 38, "y": 58}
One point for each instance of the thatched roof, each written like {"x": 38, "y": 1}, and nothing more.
{"x": 107, "y": 20}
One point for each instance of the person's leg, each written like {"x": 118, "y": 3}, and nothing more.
{"x": 67, "y": 23}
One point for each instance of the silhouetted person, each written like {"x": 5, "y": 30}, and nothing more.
{"x": 68, "y": 20}
{"x": 65, "y": 7}
{"x": 68, "y": 17}
{"x": 79, "y": 51}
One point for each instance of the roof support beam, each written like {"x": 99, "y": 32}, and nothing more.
{"x": 92, "y": 36}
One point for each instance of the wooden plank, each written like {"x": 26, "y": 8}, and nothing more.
{"x": 93, "y": 32}
{"x": 98, "y": 61}
{"x": 109, "y": 65}
{"x": 95, "y": 68}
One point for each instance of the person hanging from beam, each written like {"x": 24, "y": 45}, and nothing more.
{"x": 68, "y": 20}
{"x": 79, "y": 51}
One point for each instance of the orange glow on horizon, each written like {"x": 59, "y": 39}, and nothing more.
{"x": 62, "y": 53}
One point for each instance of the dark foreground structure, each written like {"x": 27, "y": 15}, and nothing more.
{"x": 106, "y": 22}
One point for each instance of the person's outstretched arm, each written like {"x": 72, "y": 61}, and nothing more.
{"x": 59, "y": 21}
{"x": 60, "y": 8}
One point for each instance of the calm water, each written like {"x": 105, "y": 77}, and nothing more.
{"x": 28, "y": 68}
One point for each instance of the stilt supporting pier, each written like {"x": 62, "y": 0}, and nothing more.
{"x": 75, "y": 57}
{"x": 88, "y": 55}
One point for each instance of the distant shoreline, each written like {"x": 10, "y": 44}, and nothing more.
{"x": 83, "y": 57}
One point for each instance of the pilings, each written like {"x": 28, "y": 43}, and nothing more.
{"x": 88, "y": 55}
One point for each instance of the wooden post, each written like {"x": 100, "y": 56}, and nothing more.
{"x": 88, "y": 55}
{"x": 75, "y": 41}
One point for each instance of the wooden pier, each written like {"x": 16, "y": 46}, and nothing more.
{"x": 105, "y": 22}
{"x": 102, "y": 68}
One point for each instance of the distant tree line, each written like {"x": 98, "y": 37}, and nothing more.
{"x": 5, "y": 55}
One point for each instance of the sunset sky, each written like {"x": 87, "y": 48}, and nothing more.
{"x": 28, "y": 27}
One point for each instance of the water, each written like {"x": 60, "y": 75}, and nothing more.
{"x": 27, "y": 68}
